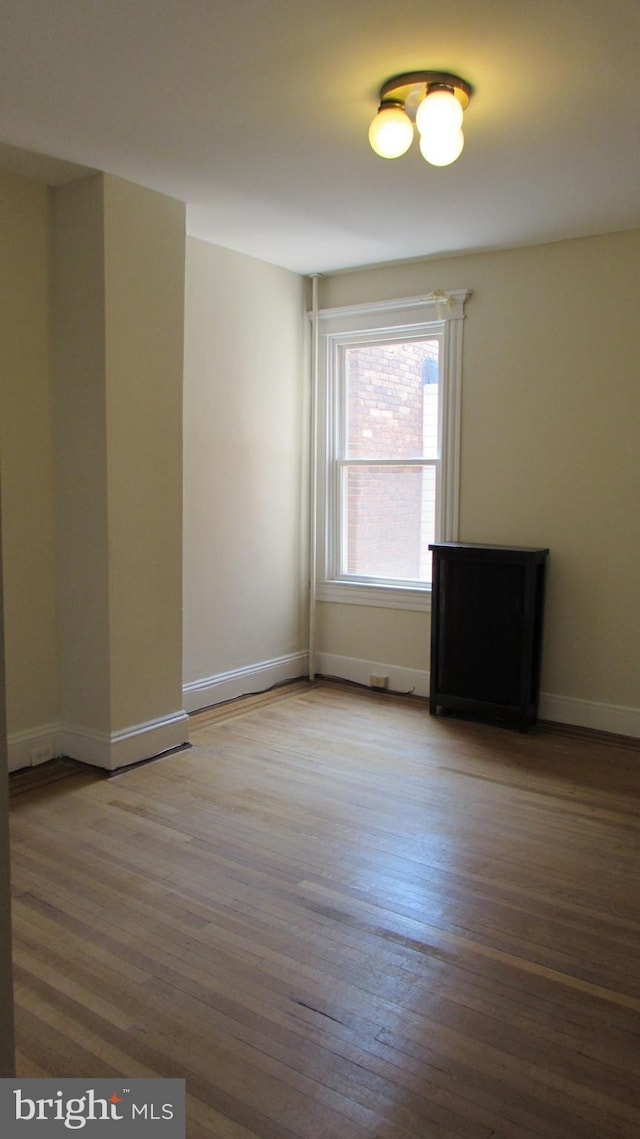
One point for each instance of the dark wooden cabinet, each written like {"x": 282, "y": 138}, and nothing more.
{"x": 486, "y": 631}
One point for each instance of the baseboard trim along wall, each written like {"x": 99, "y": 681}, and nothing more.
{"x": 143, "y": 741}
{"x": 199, "y": 694}
{"x": 32, "y": 747}
{"x": 110, "y": 750}
{"x": 613, "y": 718}
{"x": 592, "y": 714}
{"x": 412, "y": 681}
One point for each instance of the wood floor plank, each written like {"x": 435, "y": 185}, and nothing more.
{"x": 336, "y": 916}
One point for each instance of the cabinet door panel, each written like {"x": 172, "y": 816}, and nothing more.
{"x": 486, "y": 630}
{"x": 481, "y": 629}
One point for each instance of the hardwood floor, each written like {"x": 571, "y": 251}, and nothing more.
{"x": 337, "y": 916}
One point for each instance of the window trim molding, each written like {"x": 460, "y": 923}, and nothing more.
{"x": 375, "y": 595}
{"x": 347, "y": 324}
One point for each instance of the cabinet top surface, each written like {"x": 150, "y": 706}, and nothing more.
{"x": 478, "y": 547}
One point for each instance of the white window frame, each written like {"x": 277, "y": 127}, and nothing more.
{"x": 413, "y": 318}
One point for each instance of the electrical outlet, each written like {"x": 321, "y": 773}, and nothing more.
{"x": 378, "y": 681}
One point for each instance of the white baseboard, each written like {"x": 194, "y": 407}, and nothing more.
{"x": 200, "y": 694}
{"x": 409, "y": 680}
{"x": 557, "y": 709}
{"x": 590, "y": 714}
{"x": 110, "y": 750}
{"x": 32, "y": 747}
{"x": 113, "y": 750}
{"x": 143, "y": 741}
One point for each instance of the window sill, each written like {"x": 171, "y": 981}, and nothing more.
{"x": 376, "y": 596}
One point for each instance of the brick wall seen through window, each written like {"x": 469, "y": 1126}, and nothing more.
{"x": 392, "y": 414}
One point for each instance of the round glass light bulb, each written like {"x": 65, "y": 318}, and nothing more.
{"x": 391, "y": 132}
{"x": 439, "y": 112}
{"x": 441, "y": 150}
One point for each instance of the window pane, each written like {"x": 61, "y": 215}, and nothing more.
{"x": 392, "y": 400}
{"x": 389, "y": 521}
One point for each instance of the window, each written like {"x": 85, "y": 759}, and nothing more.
{"x": 389, "y": 399}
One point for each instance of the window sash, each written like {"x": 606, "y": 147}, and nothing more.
{"x": 346, "y": 524}
{"x": 398, "y": 322}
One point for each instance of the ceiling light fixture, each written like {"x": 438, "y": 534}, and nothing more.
{"x": 435, "y": 101}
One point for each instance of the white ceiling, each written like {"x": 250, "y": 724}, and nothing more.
{"x": 255, "y": 112}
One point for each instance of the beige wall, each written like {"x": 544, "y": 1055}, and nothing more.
{"x": 391, "y": 636}
{"x": 144, "y": 325}
{"x": 551, "y": 407}
{"x": 118, "y": 318}
{"x": 80, "y": 422}
{"x": 26, "y": 456}
{"x": 245, "y": 434}
{"x": 92, "y": 525}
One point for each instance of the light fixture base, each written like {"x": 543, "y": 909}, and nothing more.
{"x": 411, "y": 87}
